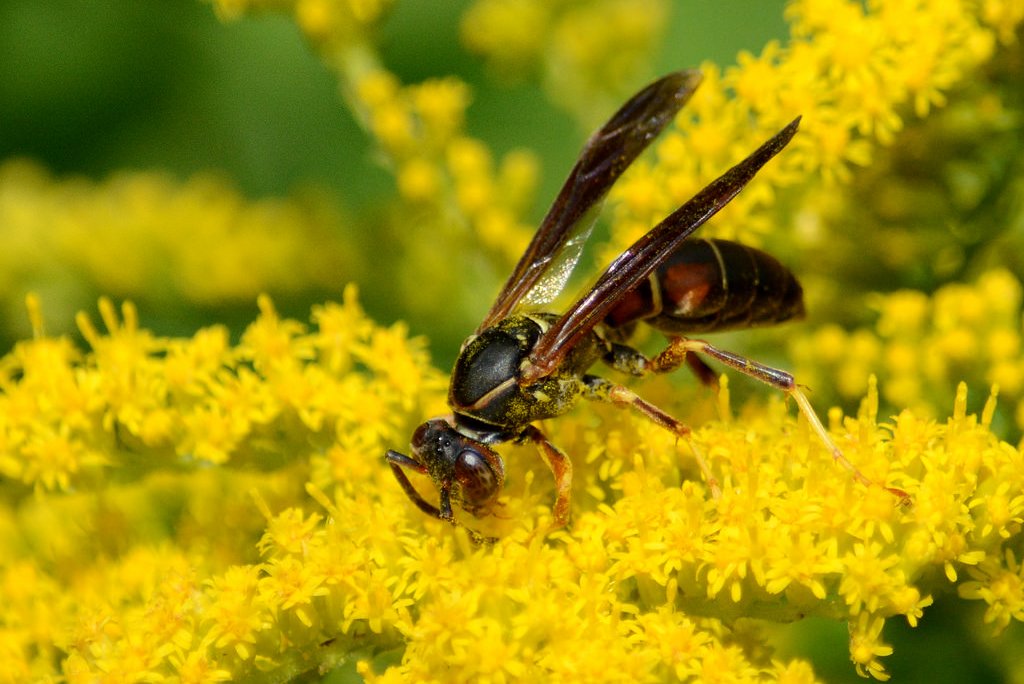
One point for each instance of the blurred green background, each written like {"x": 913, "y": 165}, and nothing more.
{"x": 94, "y": 88}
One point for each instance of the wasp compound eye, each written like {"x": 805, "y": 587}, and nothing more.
{"x": 476, "y": 478}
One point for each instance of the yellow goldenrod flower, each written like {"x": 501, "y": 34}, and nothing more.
{"x": 850, "y": 69}
{"x": 792, "y": 534}
{"x": 922, "y": 346}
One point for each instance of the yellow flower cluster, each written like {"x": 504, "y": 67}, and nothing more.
{"x": 70, "y": 419}
{"x": 136, "y": 233}
{"x": 420, "y": 129}
{"x": 851, "y": 69}
{"x": 921, "y": 346}
{"x": 206, "y": 512}
{"x": 589, "y": 53}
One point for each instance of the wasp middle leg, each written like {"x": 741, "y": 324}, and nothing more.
{"x": 561, "y": 469}
{"x": 599, "y": 389}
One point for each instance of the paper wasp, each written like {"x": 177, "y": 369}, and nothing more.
{"x": 523, "y": 365}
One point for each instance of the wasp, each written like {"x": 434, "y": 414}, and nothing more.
{"x": 524, "y": 365}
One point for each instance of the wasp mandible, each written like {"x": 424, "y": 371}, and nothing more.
{"x": 523, "y": 365}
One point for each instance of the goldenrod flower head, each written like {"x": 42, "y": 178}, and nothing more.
{"x": 648, "y": 551}
{"x": 921, "y": 346}
{"x": 851, "y": 69}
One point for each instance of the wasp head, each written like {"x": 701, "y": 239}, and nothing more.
{"x": 462, "y": 468}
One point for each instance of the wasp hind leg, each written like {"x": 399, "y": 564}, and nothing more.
{"x": 681, "y": 349}
{"x": 626, "y": 359}
{"x": 599, "y": 389}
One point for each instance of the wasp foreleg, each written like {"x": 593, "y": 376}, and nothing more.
{"x": 599, "y": 389}
{"x": 398, "y": 461}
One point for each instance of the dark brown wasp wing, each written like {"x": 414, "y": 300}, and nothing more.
{"x": 637, "y": 262}
{"x": 549, "y": 259}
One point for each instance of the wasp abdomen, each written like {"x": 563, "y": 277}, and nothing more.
{"x": 709, "y": 285}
